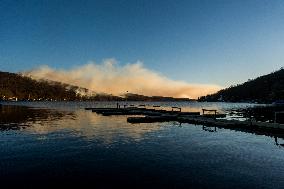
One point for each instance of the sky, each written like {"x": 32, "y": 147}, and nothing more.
{"x": 199, "y": 41}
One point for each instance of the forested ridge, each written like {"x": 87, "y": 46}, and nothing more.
{"x": 264, "y": 89}
{"x": 19, "y": 87}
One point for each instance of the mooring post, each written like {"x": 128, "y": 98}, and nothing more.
{"x": 276, "y": 142}
{"x": 276, "y": 114}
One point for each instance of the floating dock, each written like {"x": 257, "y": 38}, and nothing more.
{"x": 151, "y": 115}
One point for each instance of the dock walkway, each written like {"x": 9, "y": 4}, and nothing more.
{"x": 151, "y": 115}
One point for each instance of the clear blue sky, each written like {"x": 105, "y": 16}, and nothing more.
{"x": 220, "y": 42}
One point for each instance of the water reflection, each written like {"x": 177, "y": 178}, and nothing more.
{"x": 71, "y": 144}
{"x": 19, "y": 117}
{"x": 253, "y": 130}
{"x": 79, "y": 122}
{"x": 277, "y": 143}
{"x": 276, "y": 134}
{"x": 209, "y": 129}
{"x": 92, "y": 126}
{"x": 89, "y": 125}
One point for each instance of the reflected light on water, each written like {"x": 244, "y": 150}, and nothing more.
{"x": 81, "y": 123}
{"x": 63, "y": 141}
{"x": 90, "y": 125}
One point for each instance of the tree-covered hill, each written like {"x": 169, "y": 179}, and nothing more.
{"x": 18, "y": 87}
{"x": 266, "y": 89}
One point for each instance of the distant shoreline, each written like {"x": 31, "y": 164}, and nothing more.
{"x": 128, "y": 101}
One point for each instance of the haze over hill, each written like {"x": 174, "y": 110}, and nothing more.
{"x": 267, "y": 88}
{"x": 19, "y": 87}
{"x": 111, "y": 78}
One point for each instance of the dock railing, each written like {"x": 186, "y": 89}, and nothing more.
{"x": 209, "y": 110}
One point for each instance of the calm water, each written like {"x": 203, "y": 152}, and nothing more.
{"x": 45, "y": 143}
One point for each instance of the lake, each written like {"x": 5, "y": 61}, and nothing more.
{"x": 60, "y": 143}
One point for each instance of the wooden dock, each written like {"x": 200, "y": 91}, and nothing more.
{"x": 151, "y": 115}
{"x": 138, "y": 111}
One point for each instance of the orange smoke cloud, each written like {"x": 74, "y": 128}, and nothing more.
{"x": 111, "y": 78}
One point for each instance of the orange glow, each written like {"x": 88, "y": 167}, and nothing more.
{"x": 110, "y": 78}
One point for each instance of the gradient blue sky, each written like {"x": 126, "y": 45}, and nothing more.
{"x": 219, "y": 42}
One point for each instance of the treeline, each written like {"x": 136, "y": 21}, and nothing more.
{"x": 18, "y": 87}
{"x": 264, "y": 89}
{"x": 15, "y": 86}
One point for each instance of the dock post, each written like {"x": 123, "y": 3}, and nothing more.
{"x": 278, "y": 115}
{"x": 276, "y": 142}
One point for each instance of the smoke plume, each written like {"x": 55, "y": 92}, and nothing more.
{"x": 109, "y": 77}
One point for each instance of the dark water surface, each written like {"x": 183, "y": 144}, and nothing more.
{"x": 42, "y": 144}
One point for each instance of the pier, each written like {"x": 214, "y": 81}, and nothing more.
{"x": 141, "y": 114}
